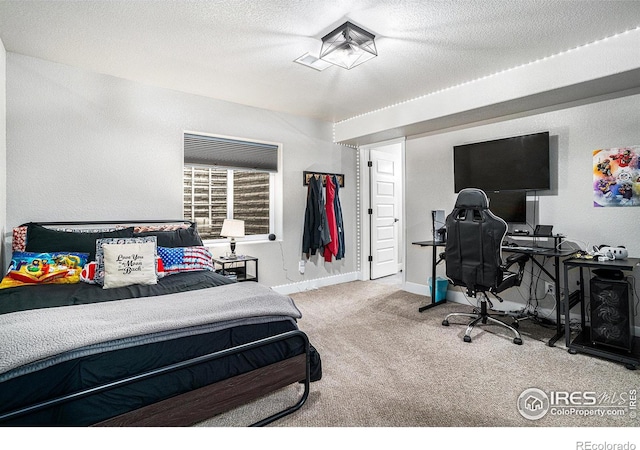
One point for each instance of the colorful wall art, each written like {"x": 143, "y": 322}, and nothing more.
{"x": 616, "y": 176}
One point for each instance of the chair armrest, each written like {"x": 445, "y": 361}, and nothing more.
{"x": 512, "y": 278}
{"x": 519, "y": 258}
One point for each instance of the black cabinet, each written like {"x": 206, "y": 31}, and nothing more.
{"x": 608, "y": 330}
{"x": 242, "y": 268}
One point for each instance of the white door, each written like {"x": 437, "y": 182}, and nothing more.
{"x": 385, "y": 194}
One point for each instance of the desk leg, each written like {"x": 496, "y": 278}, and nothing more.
{"x": 556, "y": 279}
{"x": 567, "y": 325}
{"x": 256, "y": 262}
{"x": 558, "y": 293}
{"x": 434, "y": 251}
{"x": 583, "y": 316}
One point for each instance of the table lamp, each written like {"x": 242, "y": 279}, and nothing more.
{"x": 232, "y": 229}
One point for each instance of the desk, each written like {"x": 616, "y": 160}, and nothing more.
{"x": 582, "y": 343}
{"x": 434, "y": 251}
{"x": 555, "y": 277}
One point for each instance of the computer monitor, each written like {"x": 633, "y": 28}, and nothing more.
{"x": 510, "y": 206}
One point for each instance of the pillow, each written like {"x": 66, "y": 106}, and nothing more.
{"x": 130, "y": 263}
{"x": 182, "y": 237}
{"x": 166, "y": 227}
{"x": 185, "y": 259}
{"x": 99, "y": 271}
{"x": 88, "y": 274}
{"x": 19, "y": 239}
{"x": 44, "y": 268}
{"x": 41, "y": 239}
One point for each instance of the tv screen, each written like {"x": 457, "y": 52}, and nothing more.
{"x": 510, "y": 206}
{"x": 515, "y": 163}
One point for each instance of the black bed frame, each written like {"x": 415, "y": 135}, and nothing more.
{"x": 200, "y": 404}
{"x": 203, "y": 403}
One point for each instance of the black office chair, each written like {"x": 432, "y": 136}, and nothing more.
{"x": 473, "y": 257}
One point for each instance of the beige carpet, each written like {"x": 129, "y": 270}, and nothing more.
{"x": 387, "y": 365}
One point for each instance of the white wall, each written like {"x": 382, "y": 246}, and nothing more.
{"x": 86, "y": 146}
{"x": 3, "y": 146}
{"x": 575, "y": 133}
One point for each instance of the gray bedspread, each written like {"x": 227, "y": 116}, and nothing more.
{"x": 28, "y": 337}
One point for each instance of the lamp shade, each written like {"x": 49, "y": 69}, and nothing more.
{"x": 232, "y": 228}
{"x": 348, "y": 46}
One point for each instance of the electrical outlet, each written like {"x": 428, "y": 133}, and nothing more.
{"x": 301, "y": 266}
{"x": 549, "y": 288}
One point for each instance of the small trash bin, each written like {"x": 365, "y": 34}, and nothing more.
{"x": 441, "y": 288}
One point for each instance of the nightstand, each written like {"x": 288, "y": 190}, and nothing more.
{"x": 237, "y": 268}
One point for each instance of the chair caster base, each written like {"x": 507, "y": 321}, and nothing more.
{"x": 517, "y": 341}
{"x": 572, "y": 351}
{"x": 467, "y": 338}
{"x": 631, "y": 366}
{"x": 445, "y": 323}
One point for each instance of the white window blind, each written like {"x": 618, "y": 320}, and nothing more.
{"x": 217, "y": 184}
{"x": 231, "y": 153}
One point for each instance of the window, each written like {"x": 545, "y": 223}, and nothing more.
{"x": 229, "y": 178}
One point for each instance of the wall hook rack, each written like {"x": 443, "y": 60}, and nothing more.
{"x": 308, "y": 174}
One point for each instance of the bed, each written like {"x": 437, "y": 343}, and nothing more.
{"x": 174, "y": 352}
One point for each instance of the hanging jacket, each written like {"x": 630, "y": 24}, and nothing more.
{"x": 331, "y": 248}
{"x": 339, "y": 225}
{"x": 325, "y": 235}
{"x": 314, "y": 231}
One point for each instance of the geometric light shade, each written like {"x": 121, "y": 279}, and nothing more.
{"x": 348, "y": 46}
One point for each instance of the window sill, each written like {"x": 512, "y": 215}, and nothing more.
{"x": 220, "y": 243}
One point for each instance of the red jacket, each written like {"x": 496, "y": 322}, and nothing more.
{"x": 332, "y": 247}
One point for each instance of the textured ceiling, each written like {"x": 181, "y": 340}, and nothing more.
{"x": 243, "y": 51}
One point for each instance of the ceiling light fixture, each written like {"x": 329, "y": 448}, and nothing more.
{"x": 348, "y": 46}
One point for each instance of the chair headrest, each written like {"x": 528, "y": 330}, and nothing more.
{"x": 472, "y": 198}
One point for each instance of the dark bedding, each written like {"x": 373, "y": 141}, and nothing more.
{"x": 92, "y": 369}
{"x": 72, "y": 376}
{"x": 23, "y": 298}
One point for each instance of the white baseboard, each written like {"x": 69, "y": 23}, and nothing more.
{"x": 415, "y": 288}
{"x": 423, "y": 289}
{"x": 307, "y": 285}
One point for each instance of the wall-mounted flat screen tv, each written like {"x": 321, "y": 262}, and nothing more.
{"x": 515, "y": 163}
{"x": 510, "y": 206}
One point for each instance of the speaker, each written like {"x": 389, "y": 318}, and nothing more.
{"x": 438, "y": 226}
{"x": 611, "y": 313}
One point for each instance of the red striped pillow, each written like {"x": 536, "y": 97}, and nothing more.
{"x": 185, "y": 259}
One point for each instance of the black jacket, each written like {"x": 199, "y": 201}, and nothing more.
{"x": 338, "y": 209}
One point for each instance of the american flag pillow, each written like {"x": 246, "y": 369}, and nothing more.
{"x": 185, "y": 259}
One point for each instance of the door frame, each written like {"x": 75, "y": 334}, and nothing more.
{"x": 364, "y": 222}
